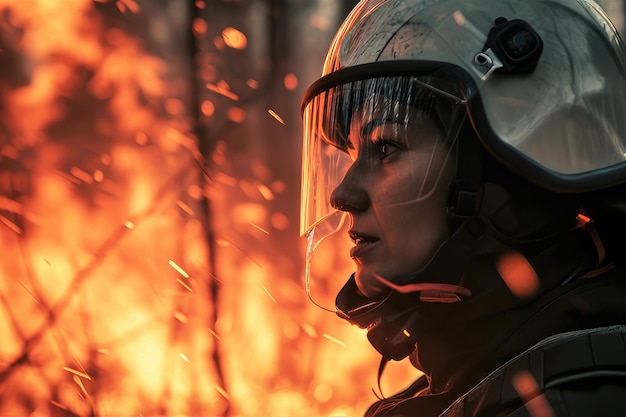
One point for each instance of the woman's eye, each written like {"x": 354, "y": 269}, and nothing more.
{"x": 386, "y": 148}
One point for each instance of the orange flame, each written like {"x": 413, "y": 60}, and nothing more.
{"x": 105, "y": 308}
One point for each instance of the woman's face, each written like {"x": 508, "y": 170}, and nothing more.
{"x": 396, "y": 194}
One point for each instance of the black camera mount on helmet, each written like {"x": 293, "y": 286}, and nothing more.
{"x": 512, "y": 46}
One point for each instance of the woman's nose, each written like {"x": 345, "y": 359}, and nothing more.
{"x": 350, "y": 195}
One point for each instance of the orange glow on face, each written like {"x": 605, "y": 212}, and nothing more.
{"x": 518, "y": 274}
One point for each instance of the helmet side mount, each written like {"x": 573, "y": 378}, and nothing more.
{"x": 512, "y": 46}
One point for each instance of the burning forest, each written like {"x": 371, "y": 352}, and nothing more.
{"x": 149, "y": 164}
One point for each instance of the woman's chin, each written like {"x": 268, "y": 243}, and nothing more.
{"x": 369, "y": 285}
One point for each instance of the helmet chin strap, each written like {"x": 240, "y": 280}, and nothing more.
{"x": 393, "y": 322}
{"x": 430, "y": 292}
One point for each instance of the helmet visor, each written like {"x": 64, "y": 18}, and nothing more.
{"x": 354, "y": 120}
{"x": 352, "y": 131}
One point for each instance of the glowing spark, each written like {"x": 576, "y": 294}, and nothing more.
{"x": 222, "y": 392}
{"x": 323, "y": 392}
{"x": 185, "y": 286}
{"x": 11, "y": 225}
{"x": 195, "y": 191}
{"x": 185, "y": 207}
{"x": 582, "y": 219}
{"x": 223, "y": 243}
{"x": 279, "y": 221}
{"x": 252, "y": 83}
{"x": 214, "y": 334}
{"x": 266, "y": 192}
{"x": 223, "y": 91}
{"x": 80, "y": 384}
{"x": 75, "y": 372}
{"x": 406, "y": 333}
{"x": 174, "y": 106}
{"x": 178, "y": 268}
{"x": 518, "y": 274}
{"x": 58, "y": 404}
{"x": 129, "y": 225}
{"x": 185, "y": 141}
{"x": 184, "y": 357}
{"x": 332, "y": 339}
{"x": 199, "y": 26}
{"x": 141, "y": 138}
{"x": 10, "y": 205}
{"x": 81, "y": 175}
{"x": 131, "y": 5}
{"x": 276, "y": 116}
{"x": 68, "y": 177}
{"x": 290, "y": 81}
{"x": 234, "y": 38}
{"x": 180, "y": 317}
{"x": 258, "y": 228}
{"x": 528, "y": 390}
{"x": 235, "y": 114}
{"x": 207, "y": 108}
{"x": 98, "y": 176}
{"x": 309, "y": 330}
{"x": 226, "y": 179}
{"x": 268, "y": 293}
{"x": 103, "y": 351}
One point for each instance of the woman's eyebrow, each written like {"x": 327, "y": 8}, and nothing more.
{"x": 370, "y": 125}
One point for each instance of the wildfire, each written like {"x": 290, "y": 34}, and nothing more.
{"x": 141, "y": 273}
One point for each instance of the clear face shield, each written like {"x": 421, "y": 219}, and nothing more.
{"x": 378, "y": 155}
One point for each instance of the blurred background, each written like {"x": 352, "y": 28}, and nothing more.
{"x": 149, "y": 203}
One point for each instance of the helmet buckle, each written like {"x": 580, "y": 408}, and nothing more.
{"x": 465, "y": 199}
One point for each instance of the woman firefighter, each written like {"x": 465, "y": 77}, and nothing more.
{"x": 473, "y": 153}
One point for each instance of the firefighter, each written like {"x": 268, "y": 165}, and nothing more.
{"x": 474, "y": 154}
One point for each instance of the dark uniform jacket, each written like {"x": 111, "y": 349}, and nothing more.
{"x": 563, "y": 353}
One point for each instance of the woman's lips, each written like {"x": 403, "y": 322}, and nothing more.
{"x": 362, "y": 243}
